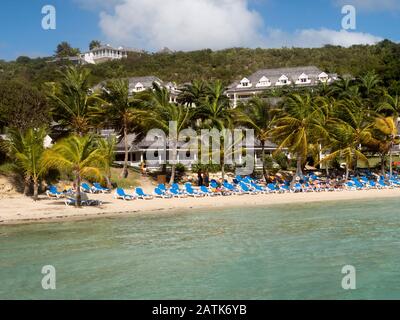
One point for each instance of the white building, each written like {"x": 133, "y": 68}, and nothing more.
{"x": 266, "y": 79}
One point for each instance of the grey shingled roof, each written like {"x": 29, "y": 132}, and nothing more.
{"x": 147, "y": 82}
{"x": 274, "y": 74}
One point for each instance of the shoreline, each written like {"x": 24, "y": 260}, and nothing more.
{"x": 21, "y": 210}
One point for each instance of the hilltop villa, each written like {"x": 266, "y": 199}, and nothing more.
{"x": 106, "y": 53}
{"x": 277, "y": 78}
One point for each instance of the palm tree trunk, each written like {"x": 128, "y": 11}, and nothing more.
{"x": 35, "y": 189}
{"x": 173, "y": 161}
{"x": 347, "y": 172}
{"x": 391, "y": 162}
{"x": 263, "y": 161}
{"x": 108, "y": 179}
{"x": 27, "y": 182}
{"x": 223, "y": 170}
{"x": 383, "y": 162}
{"x": 299, "y": 169}
{"x": 78, "y": 190}
{"x": 125, "y": 173}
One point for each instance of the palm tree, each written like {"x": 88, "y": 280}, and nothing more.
{"x": 119, "y": 113}
{"x": 390, "y": 105}
{"x": 346, "y": 143}
{"x": 300, "y": 125}
{"x": 192, "y": 93}
{"x": 386, "y": 138}
{"x": 349, "y": 129}
{"x": 259, "y": 115}
{"x": 78, "y": 155}
{"x": 369, "y": 83}
{"x": 107, "y": 147}
{"x": 72, "y": 100}
{"x": 214, "y": 113}
{"x": 158, "y": 113}
{"x": 27, "y": 149}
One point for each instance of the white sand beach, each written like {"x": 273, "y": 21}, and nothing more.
{"x": 19, "y": 209}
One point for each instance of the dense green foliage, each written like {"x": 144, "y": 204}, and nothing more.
{"x": 225, "y": 65}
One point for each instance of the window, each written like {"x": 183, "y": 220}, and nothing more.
{"x": 245, "y": 83}
{"x": 264, "y": 82}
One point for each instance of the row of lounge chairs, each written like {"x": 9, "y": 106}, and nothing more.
{"x": 239, "y": 186}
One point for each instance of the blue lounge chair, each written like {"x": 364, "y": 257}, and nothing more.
{"x": 84, "y": 203}
{"x": 176, "y": 193}
{"x": 98, "y": 188}
{"x": 229, "y": 187}
{"x": 246, "y": 189}
{"x": 54, "y": 193}
{"x": 158, "y": 193}
{"x": 141, "y": 195}
{"x": 191, "y": 192}
{"x": 120, "y": 194}
{"x": 204, "y": 190}
{"x": 297, "y": 188}
{"x": 86, "y": 188}
{"x": 272, "y": 188}
{"x": 258, "y": 188}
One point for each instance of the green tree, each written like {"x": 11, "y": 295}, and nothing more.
{"x": 107, "y": 147}
{"x": 94, "y": 44}
{"x": 64, "y": 49}
{"x": 27, "y": 149}
{"x": 258, "y": 115}
{"x": 22, "y": 106}
{"x": 79, "y": 155}
{"x": 72, "y": 100}
{"x": 119, "y": 113}
{"x": 299, "y": 126}
{"x": 159, "y": 113}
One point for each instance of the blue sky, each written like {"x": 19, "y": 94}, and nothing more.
{"x": 192, "y": 24}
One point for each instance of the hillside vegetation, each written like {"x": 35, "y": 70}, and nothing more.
{"x": 226, "y": 65}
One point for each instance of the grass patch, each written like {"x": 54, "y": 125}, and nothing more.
{"x": 128, "y": 183}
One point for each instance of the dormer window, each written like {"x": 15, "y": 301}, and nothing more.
{"x": 139, "y": 87}
{"x": 303, "y": 79}
{"x": 264, "y": 82}
{"x": 245, "y": 83}
{"x": 323, "y": 77}
{"x": 283, "y": 80}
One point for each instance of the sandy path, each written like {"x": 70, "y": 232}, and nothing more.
{"x": 19, "y": 209}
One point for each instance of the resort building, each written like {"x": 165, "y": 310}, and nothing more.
{"x": 268, "y": 79}
{"x": 139, "y": 148}
{"x": 104, "y": 53}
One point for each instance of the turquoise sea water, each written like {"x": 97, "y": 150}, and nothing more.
{"x": 280, "y": 252}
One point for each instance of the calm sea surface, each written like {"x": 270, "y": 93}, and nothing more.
{"x": 280, "y": 252}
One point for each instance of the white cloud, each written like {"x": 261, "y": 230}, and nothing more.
{"x": 310, "y": 38}
{"x": 182, "y": 24}
{"x": 216, "y": 24}
{"x": 371, "y": 5}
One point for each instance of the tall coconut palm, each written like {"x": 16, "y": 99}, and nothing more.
{"x": 349, "y": 129}
{"x": 107, "y": 147}
{"x": 73, "y": 101}
{"x": 192, "y": 93}
{"x": 214, "y": 113}
{"x": 158, "y": 113}
{"x": 258, "y": 115}
{"x": 390, "y": 105}
{"x": 299, "y": 126}
{"x": 119, "y": 113}
{"x": 386, "y": 138}
{"x": 27, "y": 149}
{"x": 78, "y": 155}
